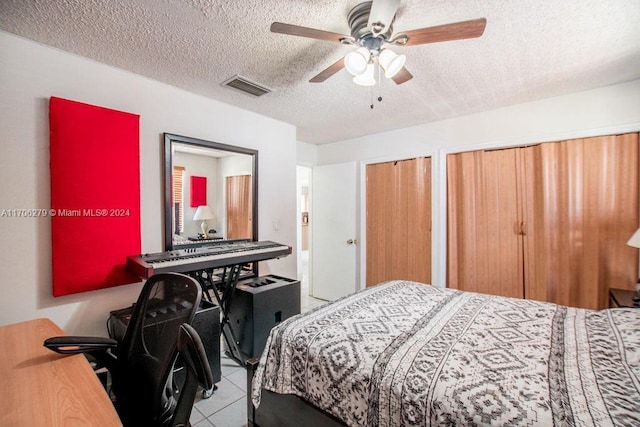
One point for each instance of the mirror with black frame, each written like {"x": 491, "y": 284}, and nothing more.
{"x": 211, "y": 192}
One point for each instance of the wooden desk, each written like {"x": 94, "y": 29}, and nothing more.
{"x": 43, "y": 388}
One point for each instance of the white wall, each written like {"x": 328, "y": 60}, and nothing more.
{"x": 198, "y": 165}
{"x": 31, "y": 73}
{"x": 606, "y": 110}
{"x": 306, "y": 153}
{"x": 582, "y": 113}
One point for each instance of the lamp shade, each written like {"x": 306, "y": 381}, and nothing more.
{"x": 356, "y": 62}
{"x": 391, "y": 62}
{"x": 635, "y": 239}
{"x": 203, "y": 212}
{"x": 367, "y": 78}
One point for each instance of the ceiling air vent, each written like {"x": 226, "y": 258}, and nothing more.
{"x": 247, "y": 86}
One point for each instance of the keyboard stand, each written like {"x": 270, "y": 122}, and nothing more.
{"x": 223, "y": 292}
{"x": 204, "y": 277}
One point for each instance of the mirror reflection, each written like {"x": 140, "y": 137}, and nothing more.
{"x": 210, "y": 192}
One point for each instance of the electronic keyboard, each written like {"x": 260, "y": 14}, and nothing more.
{"x": 215, "y": 255}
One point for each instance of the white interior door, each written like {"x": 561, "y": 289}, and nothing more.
{"x": 333, "y": 228}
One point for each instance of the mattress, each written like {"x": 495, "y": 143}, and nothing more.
{"x": 409, "y": 354}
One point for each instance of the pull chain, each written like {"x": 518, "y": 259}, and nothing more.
{"x": 371, "y": 93}
{"x": 379, "y": 86}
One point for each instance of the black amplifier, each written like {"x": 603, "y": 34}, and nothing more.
{"x": 259, "y": 304}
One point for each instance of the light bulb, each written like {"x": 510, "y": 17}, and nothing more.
{"x": 367, "y": 78}
{"x": 356, "y": 62}
{"x": 390, "y": 62}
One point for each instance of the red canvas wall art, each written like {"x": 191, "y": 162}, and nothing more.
{"x": 95, "y": 195}
{"x": 198, "y": 191}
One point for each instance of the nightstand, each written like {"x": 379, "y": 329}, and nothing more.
{"x": 622, "y": 298}
{"x": 203, "y": 239}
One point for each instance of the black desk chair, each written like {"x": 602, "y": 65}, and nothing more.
{"x": 141, "y": 364}
{"x": 194, "y": 359}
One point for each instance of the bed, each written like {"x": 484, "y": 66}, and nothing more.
{"x": 409, "y": 354}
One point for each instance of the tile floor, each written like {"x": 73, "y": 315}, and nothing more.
{"x": 227, "y": 407}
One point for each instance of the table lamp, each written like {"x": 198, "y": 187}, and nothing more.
{"x": 203, "y": 213}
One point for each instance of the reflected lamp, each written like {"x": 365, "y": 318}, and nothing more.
{"x": 203, "y": 213}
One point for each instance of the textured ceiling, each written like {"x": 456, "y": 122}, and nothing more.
{"x": 531, "y": 49}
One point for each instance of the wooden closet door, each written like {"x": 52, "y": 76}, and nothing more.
{"x": 399, "y": 221}
{"x": 582, "y": 207}
{"x": 239, "y": 209}
{"x": 485, "y": 222}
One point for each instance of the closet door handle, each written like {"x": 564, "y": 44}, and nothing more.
{"x": 522, "y": 228}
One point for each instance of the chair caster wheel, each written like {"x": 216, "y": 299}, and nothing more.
{"x": 208, "y": 393}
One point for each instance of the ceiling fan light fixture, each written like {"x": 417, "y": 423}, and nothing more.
{"x": 382, "y": 15}
{"x": 367, "y": 78}
{"x": 391, "y": 62}
{"x": 356, "y": 62}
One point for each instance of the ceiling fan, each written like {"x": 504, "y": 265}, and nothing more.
{"x": 371, "y": 25}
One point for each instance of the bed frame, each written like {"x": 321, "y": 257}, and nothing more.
{"x": 284, "y": 409}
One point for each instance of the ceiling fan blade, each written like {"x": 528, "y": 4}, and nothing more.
{"x": 402, "y": 76}
{"x": 329, "y": 71}
{"x": 442, "y": 33}
{"x": 296, "y": 30}
{"x": 382, "y": 14}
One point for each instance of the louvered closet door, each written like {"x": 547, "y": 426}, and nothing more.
{"x": 485, "y": 222}
{"x": 239, "y": 208}
{"x": 581, "y": 208}
{"x": 399, "y": 221}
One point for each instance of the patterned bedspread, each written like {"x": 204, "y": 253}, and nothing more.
{"x": 404, "y": 354}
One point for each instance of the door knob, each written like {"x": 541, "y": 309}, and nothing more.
{"x": 352, "y": 242}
